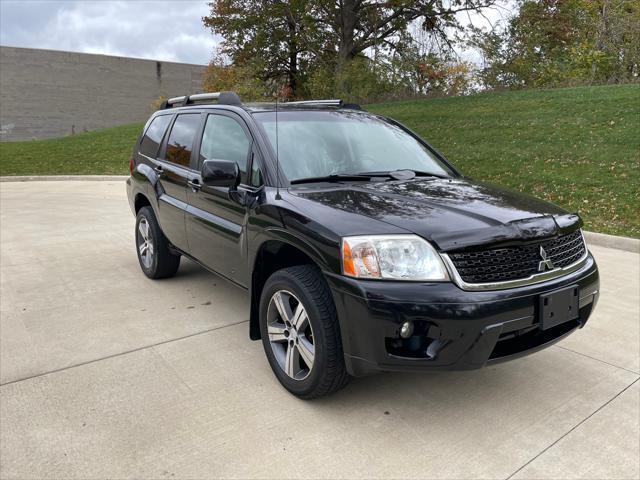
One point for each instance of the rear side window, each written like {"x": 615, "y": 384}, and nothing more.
{"x": 225, "y": 139}
{"x": 181, "y": 138}
{"x": 153, "y": 136}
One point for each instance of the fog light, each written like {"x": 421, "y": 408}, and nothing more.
{"x": 406, "y": 329}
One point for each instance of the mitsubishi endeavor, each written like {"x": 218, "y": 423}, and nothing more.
{"x": 361, "y": 247}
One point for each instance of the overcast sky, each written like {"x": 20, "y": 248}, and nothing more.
{"x": 169, "y": 30}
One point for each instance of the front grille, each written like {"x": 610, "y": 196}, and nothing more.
{"x": 513, "y": 263}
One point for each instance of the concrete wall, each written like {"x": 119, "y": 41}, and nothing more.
{"x": 45, "y": 93}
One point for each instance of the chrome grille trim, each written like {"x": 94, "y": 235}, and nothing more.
{"x": 520, "y": 282}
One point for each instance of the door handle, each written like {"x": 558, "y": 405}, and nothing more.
{"x": 194, "y": 184}
{"x": 159, "y": 170}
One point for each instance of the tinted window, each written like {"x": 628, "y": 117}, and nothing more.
{"x": 153, "y": 136}
{"x": 224, "y": 139}
{"x": 181, "y": 138}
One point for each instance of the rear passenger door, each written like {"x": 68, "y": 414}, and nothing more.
{"x": 215, "y": 220}
{"x": 172, "y": 166}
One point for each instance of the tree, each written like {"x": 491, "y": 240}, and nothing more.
{"x": 269, "y": 37}
{"x": 306, "y": 46}
{"x": 559, "y": 42}
{"x": 221, "y": 76}
{"x": 359, "y": 25}
{"x": 617, "y": 36}
{"x": 420, "y": 65}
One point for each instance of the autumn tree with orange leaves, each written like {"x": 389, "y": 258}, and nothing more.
{"x": 296, "y": 46}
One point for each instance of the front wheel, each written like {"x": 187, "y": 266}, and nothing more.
{"x": 300, "y": 332}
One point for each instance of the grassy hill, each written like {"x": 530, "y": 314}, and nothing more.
{"x": 577, "y": 147}
{"x": 101, "y": 152}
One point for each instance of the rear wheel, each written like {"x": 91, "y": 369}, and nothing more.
{"x": 300, "y": 332}
{"x": 154, "y": 255}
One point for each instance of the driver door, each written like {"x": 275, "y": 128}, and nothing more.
{"x": 215, "y": 221}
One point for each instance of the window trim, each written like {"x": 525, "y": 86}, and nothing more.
{"x": 253, "y": 152}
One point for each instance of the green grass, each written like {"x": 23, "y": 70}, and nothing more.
{"x": 101, "y": 152}
{"x": 576, "y": 147}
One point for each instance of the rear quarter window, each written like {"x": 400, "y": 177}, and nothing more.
{"x": 153, "y": 136}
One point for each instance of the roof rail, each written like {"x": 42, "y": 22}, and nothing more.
{"x": 223, "y": 98}
{"x": 329, "y": 103}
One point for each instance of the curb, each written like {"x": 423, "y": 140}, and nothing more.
{"x": 601, "y": 239}
{"x": 54, "y": 178}
{"x": 612, "y": 241}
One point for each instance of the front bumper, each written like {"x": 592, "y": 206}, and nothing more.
{"x": 455, "y": 329}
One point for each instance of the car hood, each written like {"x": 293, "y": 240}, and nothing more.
{"x": 452, "y": 213}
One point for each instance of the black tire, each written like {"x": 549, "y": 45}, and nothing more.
{"x": 162, "y": 263}
{"x": 328, "y": 373}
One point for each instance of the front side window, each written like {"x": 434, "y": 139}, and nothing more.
{"x": 153, "y": 136}
{"x": 225, "y": 139}
{"x": 181, "y": 138}
{"x": 321, "y": 143}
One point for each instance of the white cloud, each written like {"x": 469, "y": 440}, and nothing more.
{"x": 170, "y": 30}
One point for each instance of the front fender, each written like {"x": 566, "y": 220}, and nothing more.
{"x": 321, "y": 253}
{"x": 322, "y": 259}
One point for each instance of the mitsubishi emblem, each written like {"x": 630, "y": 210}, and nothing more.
{"x": 545, "y": 263}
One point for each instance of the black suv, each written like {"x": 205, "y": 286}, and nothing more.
{"x": 361, "y": 247}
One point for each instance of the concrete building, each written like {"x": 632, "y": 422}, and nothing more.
{"x": 46, "y": 93}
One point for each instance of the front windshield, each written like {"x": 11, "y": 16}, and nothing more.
{"x": 317, "y": 144}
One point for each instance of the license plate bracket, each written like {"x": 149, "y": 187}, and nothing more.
{"x": 559, "y": 306}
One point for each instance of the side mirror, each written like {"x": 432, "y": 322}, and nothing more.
{"x": 220, "y": 173}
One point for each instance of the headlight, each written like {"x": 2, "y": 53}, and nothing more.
{"x": 391, "y": 257}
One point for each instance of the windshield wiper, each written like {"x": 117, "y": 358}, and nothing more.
{"x": 400, "y": 174}
{"x": 335, "y": 177}
{"x": 404, "y": 174}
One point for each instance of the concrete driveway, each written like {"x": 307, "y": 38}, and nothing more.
{"x": 108, "y": 374}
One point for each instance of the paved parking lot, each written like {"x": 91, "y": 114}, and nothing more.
{"x": 105, "y": 373}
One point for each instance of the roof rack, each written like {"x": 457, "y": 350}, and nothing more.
{"x": 327, "y": 103}
{"x": 224, "y": 98}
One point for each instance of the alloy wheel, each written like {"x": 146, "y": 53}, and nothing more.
{"x": 145, "y": 243}
{"x": 290, "y": 335}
